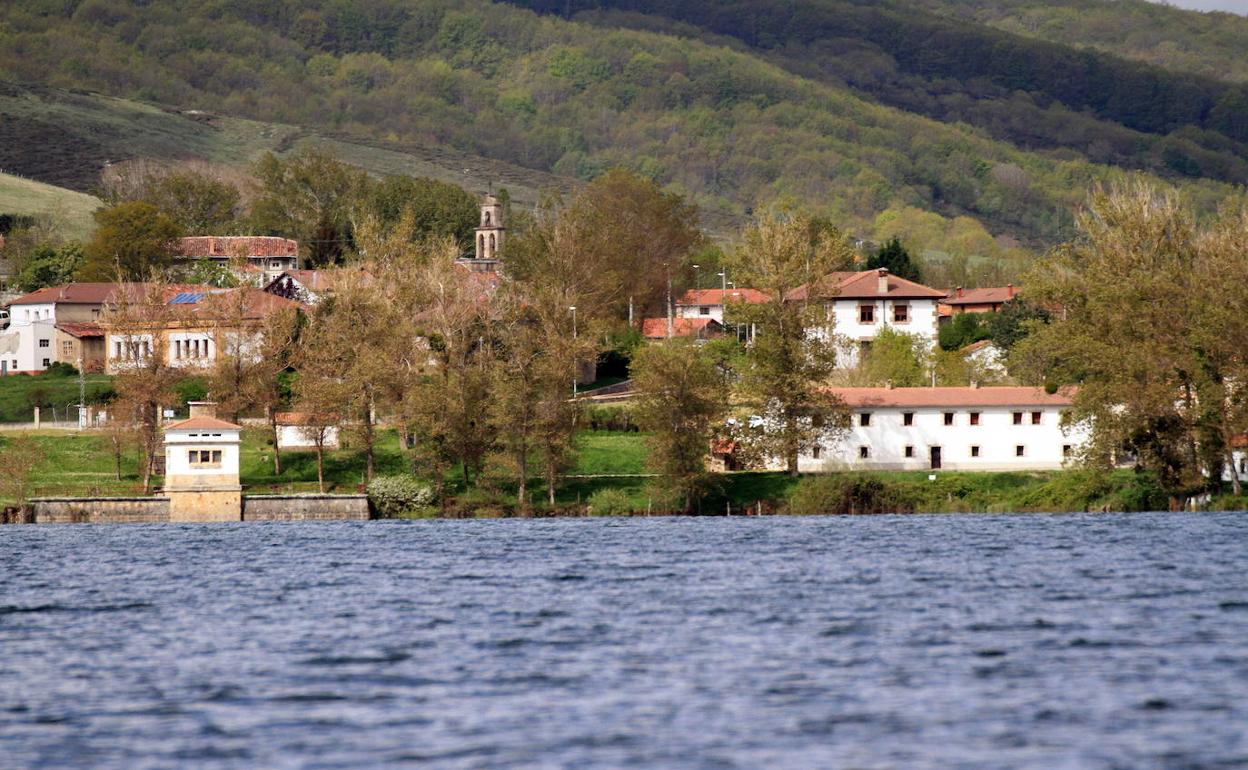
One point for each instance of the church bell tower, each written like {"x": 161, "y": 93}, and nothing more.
{"x": 491, "y": 230}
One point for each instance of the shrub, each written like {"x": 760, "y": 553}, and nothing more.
{"x": 396, "y": 495}
{"x": 615, "y": 417}
{"x": 60, "y": 369}
{"x": 610, "y": 502}
{"x": 847, "y": 493}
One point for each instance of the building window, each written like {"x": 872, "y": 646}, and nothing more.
{"x": 817, "y": 452}
{"x": 44, "y": 343}
{"x": 864, "y": 452}
{"x": 704, "y": 310}
{"x": 907, "y": 418}
{"x": 909, "y": 451}
{"x": 948, "y": 418}
{"x": 1035, "y": 418}
{"x": 974, "y": 451}
{"x": 1018, "y": 418}
{"x": 47, "y": 362}
{"x": 206, "y": 458}
{"x": 1019, "y": 451}
{"x": 901, "y": 314}
{"x": 974, "y": 418}
{"x": 1067, "y": 450}
{"x": 864, "y": 419}
{"x": 866, "y": 314}
{"x": 67, "y": 350}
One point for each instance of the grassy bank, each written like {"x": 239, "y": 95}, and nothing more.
{"x": 609, "y": 476}
{"x": 19, "y": 394}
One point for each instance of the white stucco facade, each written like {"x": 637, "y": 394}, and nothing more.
{"x": 965, "y": 429}
{"x": 221, "y": 445}
{"x": 29, "y": 344}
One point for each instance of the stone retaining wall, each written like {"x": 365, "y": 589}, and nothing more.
{"x": 305, "y": 507}
{"x": 141, "y": 510}
{"x": 100, "y": 510}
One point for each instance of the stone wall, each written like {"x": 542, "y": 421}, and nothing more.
{"x": 100, "y": 510}
{"x": 305, "y": 507}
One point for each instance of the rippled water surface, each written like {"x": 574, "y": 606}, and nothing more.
{"x": 876, "y": 642}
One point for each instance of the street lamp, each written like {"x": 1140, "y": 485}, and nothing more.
{"x": 696, "y": 283}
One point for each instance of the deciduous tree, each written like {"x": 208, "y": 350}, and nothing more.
{"x": 683, "y": 398}
{"x": 794, "y": 352}
{"x": 132, "y": 240}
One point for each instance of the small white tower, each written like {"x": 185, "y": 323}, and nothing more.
{"x": 201, "y": 467}
{"x": 491, "y": 230}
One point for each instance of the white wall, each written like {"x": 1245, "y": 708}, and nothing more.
{"x": 997, "y": 437}
{"x": 178, "y": 444}
{"x": 294, "y": 437}
{"x": 29, "y": 325}
{"x": 695, "y": 311}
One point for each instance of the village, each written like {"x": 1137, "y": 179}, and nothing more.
{"x": 898, "y": 376}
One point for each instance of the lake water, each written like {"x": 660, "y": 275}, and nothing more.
{"x": 1047, "y": 642}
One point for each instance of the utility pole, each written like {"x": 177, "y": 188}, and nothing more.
{"x": 82, "y": 389}
{"x": 670, "y": 323}
{"x": 574, "y": 372}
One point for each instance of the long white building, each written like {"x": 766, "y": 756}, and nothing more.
{"x": 968, "y": 429}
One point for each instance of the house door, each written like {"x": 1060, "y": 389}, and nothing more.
{"x": 935, "y": 458}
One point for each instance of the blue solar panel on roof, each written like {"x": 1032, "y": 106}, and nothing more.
{"x": 186, "y": 298}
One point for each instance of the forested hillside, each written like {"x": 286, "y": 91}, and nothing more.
{"x": 1211, "y": 44}
{"x": 732, "y": 126}
{"x": 1031, "y": 93}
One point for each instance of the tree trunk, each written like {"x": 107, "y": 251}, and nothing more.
{"x": 522, "y": 466}
{"x": 277, "y": 452}
{"x": 320, "y": 466}
{"x": 1230, "y": 460}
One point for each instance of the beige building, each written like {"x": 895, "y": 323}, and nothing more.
{"x": 193, "y": 327}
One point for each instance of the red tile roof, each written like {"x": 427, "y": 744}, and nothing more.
{"x": 989, "y": 295}
{"x": 716, "y": 296}
{"x": 304, "y": 418}
{"x": 226, "y": 246}
{"x": 256, "y": 304}
{"x": 938, "y": 397}
{"x": 656, "y": 328}
{"x": 864, "y": 284}
{"x": 76, "y": 294}
{"x": 81, "y": 330}
{"x": 203, "y": 423}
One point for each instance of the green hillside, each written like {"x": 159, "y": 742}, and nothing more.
{"x": 27, "y": 197}
{"x": 732, "y": 126}
{"x": 1211, "y": 44}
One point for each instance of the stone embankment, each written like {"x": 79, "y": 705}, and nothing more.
{"x": 147, "y": 510}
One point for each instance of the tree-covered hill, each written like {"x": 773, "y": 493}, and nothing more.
{"x": 1210, "y": 44}
{"x": 1032, "y": 93}
{"x": 720, "y": 123}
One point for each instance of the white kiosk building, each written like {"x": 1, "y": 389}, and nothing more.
{"x": 201, "y": 467}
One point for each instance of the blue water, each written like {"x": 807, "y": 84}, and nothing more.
{"x": 1049, "y": 642}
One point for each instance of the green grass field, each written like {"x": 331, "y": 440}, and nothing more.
{"x": 19, "y": 394}
{"x": 72, "y": 210}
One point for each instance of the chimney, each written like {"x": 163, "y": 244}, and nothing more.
{"x": 958, "y": 292}
{"x": 203, "y": 408}
{"x": 975, "y": 384}
{"x": 888, "y": 385}
{"x": 1009, "y": 290}
{"x": 883, "y": 274}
